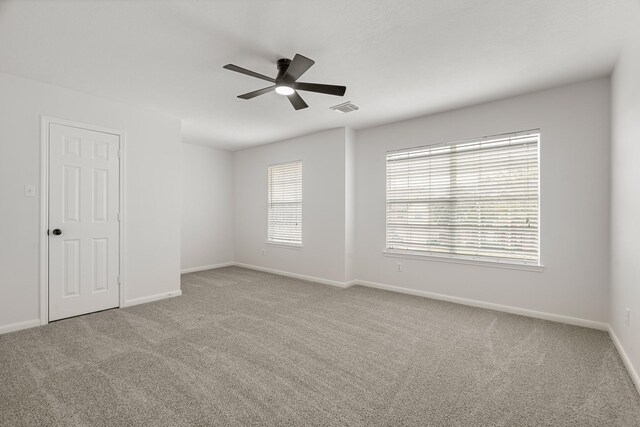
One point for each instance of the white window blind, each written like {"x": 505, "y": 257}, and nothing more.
{"x": 285, "y": 203}
{"x": 476, "y": 199}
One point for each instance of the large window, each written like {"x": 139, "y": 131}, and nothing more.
{"x": 285, "y": 203}
{"x": 476, "y": 199}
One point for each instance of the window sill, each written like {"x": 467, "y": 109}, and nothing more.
{"x": 284, "y": 245}
{"x": 470, "y": 261}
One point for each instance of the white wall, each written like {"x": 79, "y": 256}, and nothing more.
{"x": 323, "y": 206}
{"x": 207, "y": 207}
{"x": 344, "y": 204}
{"x": 153, "y": 187}
{"x": 343, "y": 213}
{"x": 625, "y": 200}
{"x": 575, "y": 127}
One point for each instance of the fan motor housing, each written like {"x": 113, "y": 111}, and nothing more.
{"x": 283, "y": 65}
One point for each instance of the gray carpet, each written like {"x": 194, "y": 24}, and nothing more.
{"x": 242, "y": 347}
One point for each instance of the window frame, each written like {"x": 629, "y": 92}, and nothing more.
{"x": 480, "y": 260}
{"x": 289, "y": 245}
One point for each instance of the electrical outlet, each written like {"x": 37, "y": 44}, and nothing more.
{"x": 264, "y": 252}
{"x": 628, "y": 317}
{"x": 399, "y": 267}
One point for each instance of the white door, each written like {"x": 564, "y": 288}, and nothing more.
{"x": 84, "y": 227}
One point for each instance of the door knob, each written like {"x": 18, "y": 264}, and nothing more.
{"x": 57, "y": 232}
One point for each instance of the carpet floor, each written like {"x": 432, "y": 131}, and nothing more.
{"x": 242, "y": 347}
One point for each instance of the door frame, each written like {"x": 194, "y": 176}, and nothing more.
{"x": 45, "y": 123}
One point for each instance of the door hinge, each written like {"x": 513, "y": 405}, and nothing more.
{"x": 119, "y": 154}
{"x": 119, "y": 217}
{"x": 119, "y": 281}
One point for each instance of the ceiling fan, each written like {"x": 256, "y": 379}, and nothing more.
{"x": 285, "y": 83}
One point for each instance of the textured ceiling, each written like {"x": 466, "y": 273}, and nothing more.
{"x": 398, "y": 59}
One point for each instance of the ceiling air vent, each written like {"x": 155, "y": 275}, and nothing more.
{"x": 346, "y": 107}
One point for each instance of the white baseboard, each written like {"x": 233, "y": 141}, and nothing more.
{"x": 625, "y": 359}
{"x": 5, "y": 329}
{"x": 151, "y": 298}
{"x": 458, "y": 300}
{"x": 295, "y": 275}
{"x": 474, "y": 303}
{"x": 206, "y": 267}
{"x": 491, "y": 306}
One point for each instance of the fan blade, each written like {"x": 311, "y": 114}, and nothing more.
{"x": 297, "y": 101}
{"x": 328, "y": 89}
{"x": 299, "y": 65}
{"x": 248, "y": 72}
{"x": 256, "y": 93}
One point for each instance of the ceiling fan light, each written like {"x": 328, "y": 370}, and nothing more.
{"x": 284, "y": 90}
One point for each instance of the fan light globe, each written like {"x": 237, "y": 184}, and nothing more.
{"x": 284, "y": 90}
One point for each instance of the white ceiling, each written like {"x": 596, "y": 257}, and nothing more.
{"x": 398, "y": 59}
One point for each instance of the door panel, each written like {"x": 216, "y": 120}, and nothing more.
{"x": 71, "y": 264}
{"x": 100, "y": 195}
{"x": 71, "y": 194}
{"x": 84, "y": 203}
{"x": 100, "y": 265}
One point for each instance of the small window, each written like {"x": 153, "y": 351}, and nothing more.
{"x": 476, "y": 199}
{"x": 285, "y": 203}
